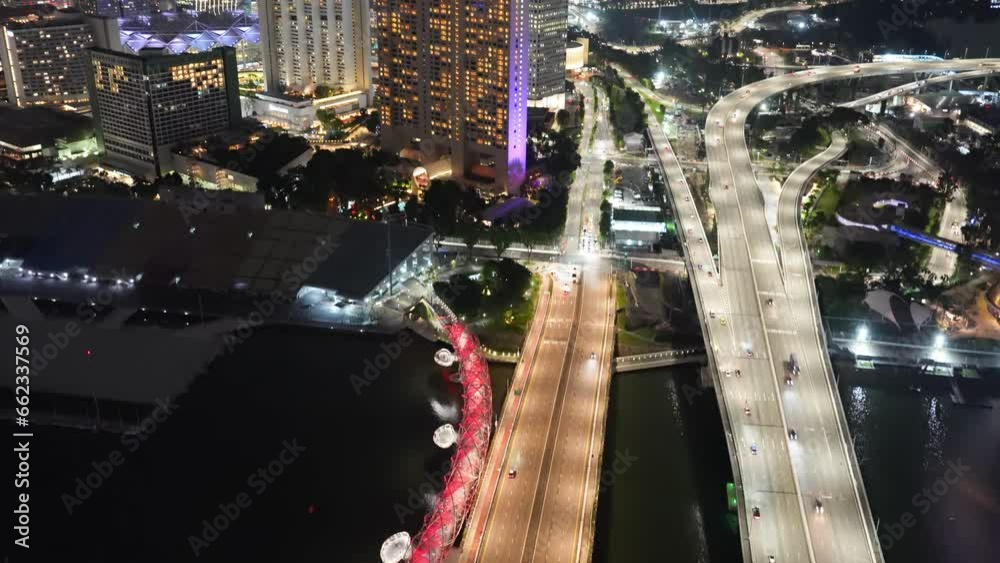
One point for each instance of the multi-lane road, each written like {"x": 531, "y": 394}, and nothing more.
{"x": 547, "y": 468}
{"x": 774, "y": 317}
{"x": 760, "y": 313}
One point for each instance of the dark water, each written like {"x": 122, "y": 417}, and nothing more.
{"x": 906, "y": 442}
{"x": 669, "y": 497}
{"x": 367, "y": 465}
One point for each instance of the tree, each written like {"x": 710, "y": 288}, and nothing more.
{"x": 441, "y": 201}
{"x": 372, "y": 121}
{"x": 562, "y": 118}
{"x": 329, "y": 120}
{"x": 347, "y": 174}
{"x": 947, "y": 186}
{"x": 470, "y": 236}
{"x": 605, "y": 226}
{"x": 500, "y": 239}
{"x": 324, "y": 91}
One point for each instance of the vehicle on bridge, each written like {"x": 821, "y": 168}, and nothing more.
{"x": 793, "y": 364}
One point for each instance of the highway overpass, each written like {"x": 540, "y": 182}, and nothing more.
{"x": 758, "y": 314}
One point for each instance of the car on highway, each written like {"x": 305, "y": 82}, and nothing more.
{"x": 749, "y": 351}
{"x": 753, "y": 449}
{"x": 770, "y": 559}
{"x": 770, "y": 302}
{"x": 687, "y": 198}
{"x": 512, "y": 474}
{"x": 711, "y": 314}
{"x": 756, "y": 513}
{"x": 793, "y": 364}
{"x": 789, "y": 380}
{"x": 857, "y": 69}
{"x": 726, "y": 186}
{"x": 819, "y": 506}
{"x": 722, "y": 321}
{"x": 593, "y": 356}
{"x": 792, "y": 434}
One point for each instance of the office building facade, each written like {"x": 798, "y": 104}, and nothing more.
{"x": 308, "y": 43}
{"x": 454, "y": 73}
{"x": 45, "y": 62}
{"x": 117, "y": 8}
{"x": 547, "y": 22}
{"x": 145, "y": 103}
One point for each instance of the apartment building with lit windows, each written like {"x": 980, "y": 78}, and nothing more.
{"x": 44, "y": 61}
{"x": 309, "y": 43}
{"x": 143, "y": 104}
{"x": 117, "y": 8}
{"x": 547, "y": 22}
{"x": 453, "y": 76}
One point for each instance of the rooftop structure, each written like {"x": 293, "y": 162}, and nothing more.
{"x": 74, "y": 244}
{"x": 36, "y": 134}
{"x": 182, "y": 32}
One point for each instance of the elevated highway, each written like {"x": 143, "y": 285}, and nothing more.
{"x": 774, "y": 318}
{"x": 759, "y": 312}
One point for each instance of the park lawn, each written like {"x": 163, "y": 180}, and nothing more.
{"x": 495, "y": 332}
{"x": 656, "y": 107}
{"x": 828, "y": 201}
{"x": 621, "y": 300}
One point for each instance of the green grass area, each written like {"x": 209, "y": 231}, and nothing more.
{"x": 657, "y": 108}
{"x": 621, "y": 301}
{"x": 505, "y": 330}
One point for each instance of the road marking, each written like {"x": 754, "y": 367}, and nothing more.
{"x": 783, "y": 331}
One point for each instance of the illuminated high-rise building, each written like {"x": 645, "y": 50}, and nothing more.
{"x": 547, "y": 75}
{"x": 454, "y": 73}
{"x": 310, "y": 43}
{"x": 44, "y": 61}
{"x": 117, "y": 8}
{"x": 145, "y": 103}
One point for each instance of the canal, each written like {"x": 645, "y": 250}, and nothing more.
{"x": 367, "y": 469}
{"x": 663, "y": 484}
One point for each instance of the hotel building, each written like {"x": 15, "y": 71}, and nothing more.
{"x": 547, "y": 76}
{"x": 453, "y": 75}
{"x": 307, "y": 43}
{"x": 145, "y": 103}
{"x": 44, "y": 61}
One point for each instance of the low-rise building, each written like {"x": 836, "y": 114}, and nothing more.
{"x": 40, "y": 137}
{"x": 298, "y": 114}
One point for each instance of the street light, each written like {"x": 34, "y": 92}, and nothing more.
{"x": 863, "y": 334}
{"x": 939, "y": 341}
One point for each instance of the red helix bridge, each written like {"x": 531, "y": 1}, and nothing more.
{"x": 443, "y": 522}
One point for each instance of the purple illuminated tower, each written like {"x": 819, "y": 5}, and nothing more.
{"x": 453, "y": 81}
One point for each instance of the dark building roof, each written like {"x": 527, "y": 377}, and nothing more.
{"x": 41, "y": 126}
{"x": 251, "y": 249}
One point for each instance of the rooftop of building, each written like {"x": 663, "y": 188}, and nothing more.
{"x": 253, "y": 250}
{"x": 42, "y": 15}
{"x": 41, "y": 126}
